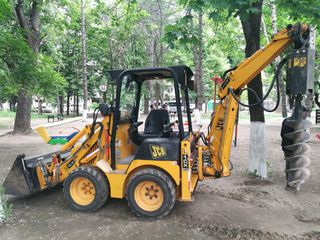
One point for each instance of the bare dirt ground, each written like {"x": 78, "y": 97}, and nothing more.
{"x": 237, "y": 207}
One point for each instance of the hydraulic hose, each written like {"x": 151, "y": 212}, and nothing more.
{"x": 92, "y": 130}
{"x": 229, "y": 70}
{"x": 260, "y": 101}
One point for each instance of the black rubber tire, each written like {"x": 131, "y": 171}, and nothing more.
{"x": 161, "y": 179}
{"x": 100, "y": 182}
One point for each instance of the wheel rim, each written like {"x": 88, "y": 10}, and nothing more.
{"x": 82, "y": 191}
{"x": 148, "y": 196}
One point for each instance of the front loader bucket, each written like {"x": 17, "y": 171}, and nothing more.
{"x": 18, "y": 181}
{"x": 22, "y": 179}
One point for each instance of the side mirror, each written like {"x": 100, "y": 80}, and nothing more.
{"x": 104, "y": 109}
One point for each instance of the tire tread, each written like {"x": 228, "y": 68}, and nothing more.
{"x": 167, "y": 180}
{"x": 101, "y": 181}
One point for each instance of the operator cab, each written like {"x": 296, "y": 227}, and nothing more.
{"x": 141, "y": 115}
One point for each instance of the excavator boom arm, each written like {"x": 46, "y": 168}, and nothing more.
{"x": 222, "y": 123}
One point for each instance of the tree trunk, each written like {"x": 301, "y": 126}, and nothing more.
{"x": 84, "y": 60}
{"x": 23, "y": 112}
{"x": 31, "y": 29}
{"x": 277, "y": 61}
{"x": 68, "y": 104}
{"x": 316, "y": 99}
{"x": 12, "y": 103}
{"x": 160, "y": 58}
{"x": 264, "y": 30}
{"x": 149, "y": 94}
{"x": 111, "y": 66}
{"x": 251, "y": 30}
{"x": 60, "y": 104}
{"x": 78, "y": 105}
{"x": 198, "y": 62}
{"x": 257, "y": 160}
{"x": 39, "y": 106}
{"x": 146, "y": 104}
{"x": 74, "y": 104}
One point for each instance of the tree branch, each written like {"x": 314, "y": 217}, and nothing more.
{"x": 35, "y": 16}
{"x": 20, "y": 15}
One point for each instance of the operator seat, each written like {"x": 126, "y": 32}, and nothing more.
{"x": 155, "y": 121}
{"x": 154, "y": 126}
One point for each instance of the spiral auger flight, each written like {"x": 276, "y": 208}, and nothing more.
{"x": 296, "y": 147}
{"x": 295, "y": 129}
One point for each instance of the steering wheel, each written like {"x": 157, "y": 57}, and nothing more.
{"x": 133, "y": 129}
{"x": 133, "y": 132}
{"x": 167, "y": 130}
{"x": 135, "y": 125}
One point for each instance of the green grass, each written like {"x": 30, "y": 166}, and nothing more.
{"x": 247, "y": 173}
{"x": 244, "y": 116}
{"x": 9, "y": 114}
{"x": 6, "y": 206}
{"x": 7, "y": 118}
{"x": 205, "y": 116}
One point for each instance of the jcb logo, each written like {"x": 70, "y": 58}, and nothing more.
{"x": 297, "y": 62}
{"x": 157, "y": 151}
{"x": 219, "y": 125}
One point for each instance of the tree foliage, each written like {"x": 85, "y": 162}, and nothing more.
{"x": 20, "y": 67}
{"x": 124, "y": 34}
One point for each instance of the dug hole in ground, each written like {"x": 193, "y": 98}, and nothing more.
{"x": 235, "y": 207}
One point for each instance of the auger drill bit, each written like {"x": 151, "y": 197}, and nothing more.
{"x": 294, "y": 144}
{"x": 299, "y": 85}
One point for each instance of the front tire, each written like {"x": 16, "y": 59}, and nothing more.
{"x": 151, "y": 193}
{"x": 86, "y": 189}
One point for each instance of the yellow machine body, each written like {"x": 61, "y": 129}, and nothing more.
{"x": 92, "y": 146}
{"x": 90, "y": 153}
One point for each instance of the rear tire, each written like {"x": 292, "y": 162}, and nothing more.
{"x": 151, "y": 193}
{"x": 86, "y": 189}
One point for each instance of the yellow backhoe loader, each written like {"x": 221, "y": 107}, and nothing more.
{"x": 155, "y": 166}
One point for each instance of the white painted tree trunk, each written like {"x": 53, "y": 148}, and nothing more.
{"x": 264, "y": 30}
{"x": 257, "y": 149}
{"x": 2, "y": 215}
{"x": 85, "y": 115}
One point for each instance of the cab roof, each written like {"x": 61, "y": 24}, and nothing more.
{"x": 183, "y": 74}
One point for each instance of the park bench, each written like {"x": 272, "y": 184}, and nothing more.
{"x": 59, "y": 117}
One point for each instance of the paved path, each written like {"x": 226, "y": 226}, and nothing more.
{"x": 43, "y": 122}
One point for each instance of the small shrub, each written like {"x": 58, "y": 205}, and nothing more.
{"x": 6, "y": 211}
{"x": 251, "y": 174}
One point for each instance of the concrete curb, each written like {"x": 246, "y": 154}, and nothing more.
{"x": 46, "y": 125}
{"x": 4, "y": 133}
{"x": 59, "y": 123}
